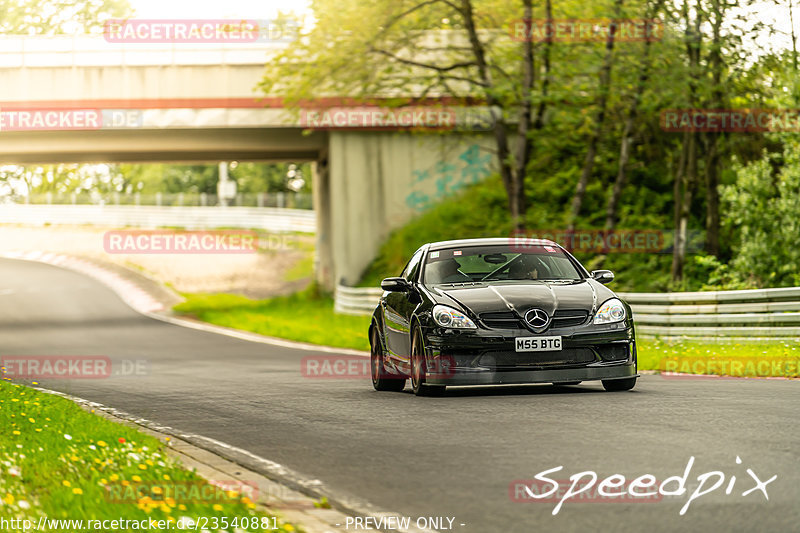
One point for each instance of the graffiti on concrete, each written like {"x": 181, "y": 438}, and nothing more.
{"x": 447, "y": 178}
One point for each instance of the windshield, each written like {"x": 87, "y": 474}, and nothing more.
{"x": 498, "y": 263}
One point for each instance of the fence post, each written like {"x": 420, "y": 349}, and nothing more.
{"x": 281, "y": 199}
{"x": 158, "y": 199}
{"x": 260, "y": 199}
{"x": 203, "y": 199}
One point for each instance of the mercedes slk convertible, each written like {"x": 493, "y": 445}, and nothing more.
{"x": 500, "y": 311}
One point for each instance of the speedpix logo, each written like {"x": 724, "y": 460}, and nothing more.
{"x": 643, "y": 488}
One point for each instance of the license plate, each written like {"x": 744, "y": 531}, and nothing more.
{"x": 538, "y": 344}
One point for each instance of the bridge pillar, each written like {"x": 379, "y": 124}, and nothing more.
{"x": 323, "y": 262}
{"x": 378, "y": 181}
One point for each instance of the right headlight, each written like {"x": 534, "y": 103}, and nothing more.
{"x": 611, "y": 311}
{"x": 451, "y": 318}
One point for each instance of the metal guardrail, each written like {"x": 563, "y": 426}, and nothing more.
{"x": 730, "y": 314}
{"x": 263, "y": 199}
{"x": 266, "y": 218}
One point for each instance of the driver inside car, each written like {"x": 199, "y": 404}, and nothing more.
{"x": 525, "y": 267}
{"x": 446, "y": 271}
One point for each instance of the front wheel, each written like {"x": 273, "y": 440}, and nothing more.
{"x": 381, "y": 379}
{"x": 419, "y": 368}
{"x": 617, "y": 385}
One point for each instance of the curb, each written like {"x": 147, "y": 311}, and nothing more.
{"x": 276, "y": 498}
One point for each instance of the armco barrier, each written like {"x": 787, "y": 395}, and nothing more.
{"x": 745, "y": 313}
{"x": 148, "y": 216}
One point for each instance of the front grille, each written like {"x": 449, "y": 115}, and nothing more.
{"x": 501, "y": 320}
{"x": 564, "y": 318}
{"x": 505, "y": 358}
{"x": 614, "y": 352}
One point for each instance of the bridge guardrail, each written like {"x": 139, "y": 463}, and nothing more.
{"x": 267, "y": 218}
{"x": 731, "y": 314}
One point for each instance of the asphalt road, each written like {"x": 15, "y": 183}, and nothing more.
{"x": 454, "y": 456}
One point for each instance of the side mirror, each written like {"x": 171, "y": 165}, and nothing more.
{"x": 602, "y": 276}
{"x": 395, "y": 285}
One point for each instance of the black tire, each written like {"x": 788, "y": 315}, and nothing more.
{"x": 381, "y": 379}
{"x": 618, "y": 385}
{"x": 418, "y": 368}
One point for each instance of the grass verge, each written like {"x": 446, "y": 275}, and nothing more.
{"x": 767, "y": 359}
{"x": 304, "y": 316}
{"x": 61, "y": 462}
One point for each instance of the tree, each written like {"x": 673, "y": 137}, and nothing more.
{"x": 420, "y": 49}
{"x": 604, "y": 86}
{"x": 51, "y": 17}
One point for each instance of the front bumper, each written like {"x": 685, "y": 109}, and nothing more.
{"x": 487, "y": 357}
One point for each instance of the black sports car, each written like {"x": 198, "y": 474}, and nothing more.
{"x": 498, "y": 311}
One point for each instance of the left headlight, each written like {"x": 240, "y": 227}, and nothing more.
{"x": 611, "y": 311}
{"x": 451, "y": 318}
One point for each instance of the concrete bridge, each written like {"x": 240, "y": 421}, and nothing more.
{"x": 83, "y": 99}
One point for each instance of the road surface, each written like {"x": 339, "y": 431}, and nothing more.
{"x": 426, "y": 457}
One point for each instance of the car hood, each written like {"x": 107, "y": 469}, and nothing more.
{"x": 480, "y": 298}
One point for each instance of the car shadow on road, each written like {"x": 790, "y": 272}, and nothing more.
{"x": 519, "y": 390}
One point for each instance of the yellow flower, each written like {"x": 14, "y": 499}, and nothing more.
{"x": 137, "y": 479}
{"x": 288, "y": 527}
{"x": 15, "y": 432}
{"x": 157, "y": 490}
{"x": 31, "y": 420}
{"x": 101, "y": 443}
{"x": 38, "y": 430}
{"x": 9, "y": 499}
{"x": 104, "y": 481}
{"x": 142, "y": 467}
{"x": 246, "y": 500}
{"x": 114, "y": 477}
{"x": 217, "y": 507}
{"x": 166, "y": 476}
{"x": 76, "y": 490}
{"x": 66, "y": 483}
{"x": 74, "y": 458}
{"x": 181, "y": 507}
